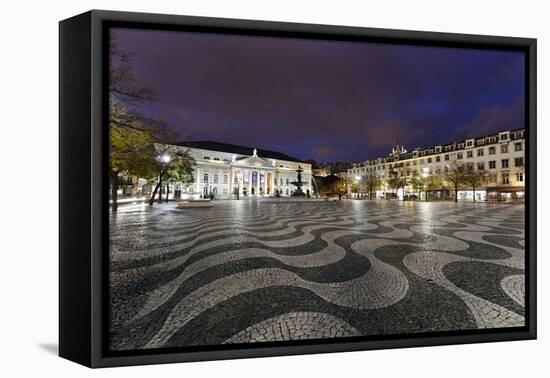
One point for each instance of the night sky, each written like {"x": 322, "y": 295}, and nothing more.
{"x": 325, "y": 100}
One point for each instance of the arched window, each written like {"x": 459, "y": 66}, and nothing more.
{"x": 206, "y": 177}
{"x": 216, "y": 158}
{"x": 206, "y": 158}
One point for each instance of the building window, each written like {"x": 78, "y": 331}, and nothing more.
{"x": 206, "y": 158}
{"x": 459, "y": 155}
{"x": 504, "y": 163}
{"x": 281, "y": 181}
{"x": 286, "y": 191}
{"x": 505, "y": 179}
{"x": 492, "y": 164}
{"x": 518, "y": 162}
{"x": 205, "y": 177}
{"x": 480, "y": 152}
{"x": 504, "y": 137}
{"x": 225, "y": 179}
{"x": 518, "y": 146}
{"x": 429, "y": 160}
{"x": 519, "y": 176}
{"x": 438, "y": 171}
{"x": 216, "y": 178}
{"x": 470, "y": 154}
{"x": 503, "y": 148}
{"x": 421, "y": 161}
{"x": 481, "y": 166}
{"x": 446, "y": 157}
{"x": 438, "y": 159}
{"x": 469, "y": 143}
{"x": 492, "y": 151}
{"x": 287, "y": 182}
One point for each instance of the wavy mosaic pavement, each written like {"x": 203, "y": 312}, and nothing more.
{"x": 246, "y": 271}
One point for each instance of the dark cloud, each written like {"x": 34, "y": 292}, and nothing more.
{"x": 300, "y": 96}
{"x": 493, "y": 119}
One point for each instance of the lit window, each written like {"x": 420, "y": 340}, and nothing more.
{"x": 519, "y": 176}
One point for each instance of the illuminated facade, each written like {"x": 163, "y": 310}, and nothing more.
{"x": 228, "y": 171}
{"x": 500, "y": 155}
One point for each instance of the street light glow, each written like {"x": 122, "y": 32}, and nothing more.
{"x": 358, "y": 177}
{"x": 166, "y": 158}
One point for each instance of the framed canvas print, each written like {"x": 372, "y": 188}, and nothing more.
{"x": 233, "y": 188}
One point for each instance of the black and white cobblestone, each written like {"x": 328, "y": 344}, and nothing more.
{"x": 245, "y": 271}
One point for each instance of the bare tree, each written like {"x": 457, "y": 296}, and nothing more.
{"x": 372, "y": 184}
{"x": 398, "y": 179}
{"x": 132, "y": 135}
{"x": 456, "y": 176}
{"x": 475, "y": 178}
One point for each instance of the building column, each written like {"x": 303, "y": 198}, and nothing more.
{"x": 230, "y": 182}
{"x": 257, "y": 183}
{"x": 199, "y": 190}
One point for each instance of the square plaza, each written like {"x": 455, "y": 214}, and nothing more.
{"x": 251, "y": 270}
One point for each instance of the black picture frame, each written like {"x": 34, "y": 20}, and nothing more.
{"x": 83, "y": 199}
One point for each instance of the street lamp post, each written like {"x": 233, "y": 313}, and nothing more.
{"x": 165, "y": 160}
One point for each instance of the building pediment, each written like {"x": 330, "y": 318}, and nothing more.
{"x": 253, "y": 161}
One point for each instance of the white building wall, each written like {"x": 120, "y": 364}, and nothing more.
{"x": 497, "y": 157}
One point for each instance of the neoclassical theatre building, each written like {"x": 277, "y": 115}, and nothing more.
{"x": 501, "y": 155}
{"x": 227, "y": 171}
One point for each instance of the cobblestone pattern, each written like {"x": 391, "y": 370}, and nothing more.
{"x": 241, "y": 270}
{"x": 294, "y": 326}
